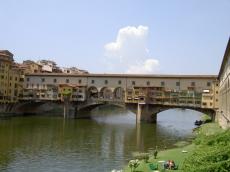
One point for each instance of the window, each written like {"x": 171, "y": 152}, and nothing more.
{"x": 67, "y": 80}
{"x": 133, "y": 83}
{"x": 148, "y": 83}
{"x": 210, "y": 104}
{"x": 16, "y": 78}
{"x": 193, "y": 84}
{"x": 208, "y": 84}
{"x": 55, "y": 80}
{"x": 43, "y": 79}
{"x": 37, "y": 86}
{"x": 178, "y": 84}
{"x": 162, "y": 83}
{"x": 216, "y": 92}
{"x": 216, "y": 100}
{"x": 79, "y": 81}
{"x": 119, "y": 82}
{"x": 10, "y": 78}
{"x": 27, "y": 79}
{"x": 106, "y": 81}
{"x": 92, "y": 81}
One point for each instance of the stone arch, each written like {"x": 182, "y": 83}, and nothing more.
{"x": 209, "y": 112}
{"x": 106, "y": 93}
{"x": 92, "y": 92}
{"x": 119, "y": 93}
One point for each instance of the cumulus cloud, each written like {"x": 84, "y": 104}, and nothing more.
{"x": 148, "y": 66}
{"x": 129, "y": 52}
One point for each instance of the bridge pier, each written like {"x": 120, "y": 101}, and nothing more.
{"x": 69, "y": 110}
{"x": 145, "y": 113}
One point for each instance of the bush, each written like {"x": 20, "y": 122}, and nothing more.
{"x": 212, "y": 154}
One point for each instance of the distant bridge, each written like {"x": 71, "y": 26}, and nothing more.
{"x": 145, "y": 95}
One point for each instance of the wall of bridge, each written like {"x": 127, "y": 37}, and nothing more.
{"x": 124, "y": 81}
{"x": 107, "y": 84}
{"x": 151, "y": 85}
{"x": 224, "y": 90}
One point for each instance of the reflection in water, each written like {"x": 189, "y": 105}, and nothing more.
{"x": 100, "y": 144}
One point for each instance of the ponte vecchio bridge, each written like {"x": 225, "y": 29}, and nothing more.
{"x": 145, "y": 95}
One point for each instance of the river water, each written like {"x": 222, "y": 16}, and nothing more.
{"x": 100, "y": 144}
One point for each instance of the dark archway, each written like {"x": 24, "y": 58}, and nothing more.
{"x": 209, "y": 112}
{"x": 92, "y": 92}
{"x": 119, "y": 93}
{"x": 106, "y": 93}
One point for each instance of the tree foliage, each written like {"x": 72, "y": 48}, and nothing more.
{"x": 212, "y": 154}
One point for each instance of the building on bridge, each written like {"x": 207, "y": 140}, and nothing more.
{"x": 170, "y": 91}
{"x": 224, "y": 95}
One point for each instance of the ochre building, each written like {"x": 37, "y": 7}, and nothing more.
{"x": 10, "y": 78}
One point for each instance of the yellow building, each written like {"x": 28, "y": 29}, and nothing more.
{"x": 10, "y": 78}
{"x": 32, "y": 67}
{"x": 65, "y": 90}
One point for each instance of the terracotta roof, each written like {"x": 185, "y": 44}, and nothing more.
{"x": 7, "y": 54}
{"x": 124, "y": 75}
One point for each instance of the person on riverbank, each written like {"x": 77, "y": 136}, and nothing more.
{"x": 169, "y": 165}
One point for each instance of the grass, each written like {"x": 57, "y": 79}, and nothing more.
{"x": 170, "y": 154}
{"x": 212, "y": 151}
{"x": 210, "y": 129}
{"x": 176, "y": 153}
{"x": 205, "y": 117}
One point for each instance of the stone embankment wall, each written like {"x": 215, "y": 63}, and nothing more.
{"x": 19, "y": 109}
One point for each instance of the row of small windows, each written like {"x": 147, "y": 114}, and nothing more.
{"x": 106, "y": 82}
{"x": 55, "y": 80}
{"x": 2, "y": 77}
{"x": 193, "y": 84}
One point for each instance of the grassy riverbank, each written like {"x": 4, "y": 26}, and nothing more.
{"x": 175, "y": 154}
{"x": 211, "y": 145}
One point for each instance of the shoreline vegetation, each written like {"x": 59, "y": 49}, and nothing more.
{"x": 209, "y": 151}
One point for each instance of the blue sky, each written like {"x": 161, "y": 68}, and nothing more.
{"x": 119, "y": 36}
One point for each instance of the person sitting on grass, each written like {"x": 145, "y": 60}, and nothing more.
{"x": 166, "y": 165}
{"x": 171, "y": 164}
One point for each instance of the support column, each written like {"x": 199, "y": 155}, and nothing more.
{"x": 69, "y": 111}
{"x": 139, "y": 113}
{"x": 145, "y": 113}
{"x": 66, "y": 108}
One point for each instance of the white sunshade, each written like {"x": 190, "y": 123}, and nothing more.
{"x": 206, "y": 91}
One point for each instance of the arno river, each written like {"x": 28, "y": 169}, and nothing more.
{"x": 103, "y": 143}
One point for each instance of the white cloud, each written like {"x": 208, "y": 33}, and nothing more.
{"x": 129, "y": 53}
{"x": 148, "y": 66}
